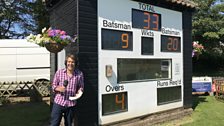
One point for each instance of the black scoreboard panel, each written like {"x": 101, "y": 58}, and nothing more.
{"x": 146, "y": 20}
{"x": 116, "y": 39}
{"x": 168, "y": 95}
{"x": 114, "y": 103}
{"x": 170, "y": 44}
{"x": 147, "y": 46}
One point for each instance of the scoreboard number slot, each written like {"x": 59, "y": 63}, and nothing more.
{"x": 170, "y": 44}
{"x": 116, "y": 39}
{"x": 114, "y": 103}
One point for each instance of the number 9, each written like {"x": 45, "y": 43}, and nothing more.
{"x": 124, "y": 39}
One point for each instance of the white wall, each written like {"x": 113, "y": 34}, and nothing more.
{"x": 61, "y": 59}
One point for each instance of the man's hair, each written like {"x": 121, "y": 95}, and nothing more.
{"x": 73, "y": 57}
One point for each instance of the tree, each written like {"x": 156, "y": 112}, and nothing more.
{"x": 41, "y": 16}
{"x": 208, "y": 25}
{"x": 18, "y": 18}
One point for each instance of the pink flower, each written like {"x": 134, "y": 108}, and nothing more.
{"x": 62, "y": 33}
{"x": 197, "y": 49}
{"x": 51, "y": 33}
{"x": 57, "y": 31}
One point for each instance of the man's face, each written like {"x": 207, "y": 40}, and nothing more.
{"x": 70, "y": 64}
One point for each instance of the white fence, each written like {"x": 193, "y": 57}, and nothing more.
{"x": 9, "y": 89}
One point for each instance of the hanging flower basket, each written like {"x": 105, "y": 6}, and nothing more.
{"x": 53, "y": 39}
{"x": 54, "y": 47}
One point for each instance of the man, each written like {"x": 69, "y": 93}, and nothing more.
{"x": 68, "y": 86}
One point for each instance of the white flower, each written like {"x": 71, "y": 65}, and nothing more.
{"x": 31, "y": 38}
{"x": 38, "y": 39}
{"x": 44, "y": 29}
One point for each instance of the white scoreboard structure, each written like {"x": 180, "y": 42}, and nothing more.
{"x": 135, "y": 56}
{"x": 140, "y": 59}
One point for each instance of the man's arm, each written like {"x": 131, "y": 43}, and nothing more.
{"x": 55, "y": 85}
{"x": 80, "y": 87}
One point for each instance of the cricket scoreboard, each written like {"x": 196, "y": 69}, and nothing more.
{"x": 140, "y": 59}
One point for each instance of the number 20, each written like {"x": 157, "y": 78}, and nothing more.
{"x": 172, "y": 44}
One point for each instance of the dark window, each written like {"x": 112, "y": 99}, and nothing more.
{"x": 168, "y": 95}
{"x": 143, "y": 69}
{"x": 147, "y": 46}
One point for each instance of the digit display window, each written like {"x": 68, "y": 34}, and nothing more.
{"x": 168, "y": 95}
{"x": 146, "y": 20}
{"x": 116, "y": 40}
{"x": 170, "y": 44}
{"x": 114, "y": 103}
{"x": 147, "y": 46}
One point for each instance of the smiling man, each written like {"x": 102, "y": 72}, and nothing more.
{"x": 68, "y": 86}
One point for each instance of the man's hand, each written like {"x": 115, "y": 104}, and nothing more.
{"x": 77, "y": 95}
{"x": 60, "y": 89}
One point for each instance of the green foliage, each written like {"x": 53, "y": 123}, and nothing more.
{"x": 208, "y": 24}
{"x": 4, "y": 100}
{"x": 208, "y": 30}
{"x": 18, "y": 18}
{"x": 41, "y": 16}
{"x": 209, "y": 64}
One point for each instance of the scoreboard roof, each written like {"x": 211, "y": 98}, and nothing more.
{"x": 186, "y": 3}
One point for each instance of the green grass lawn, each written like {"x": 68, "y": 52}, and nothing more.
{"x": 207, "y": 112}
{"x": 24, "y": 114}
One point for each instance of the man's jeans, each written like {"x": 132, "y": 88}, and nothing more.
{"x": 58, "y": 111}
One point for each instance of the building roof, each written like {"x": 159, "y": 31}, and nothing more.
{"x": 186, "y": 3}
